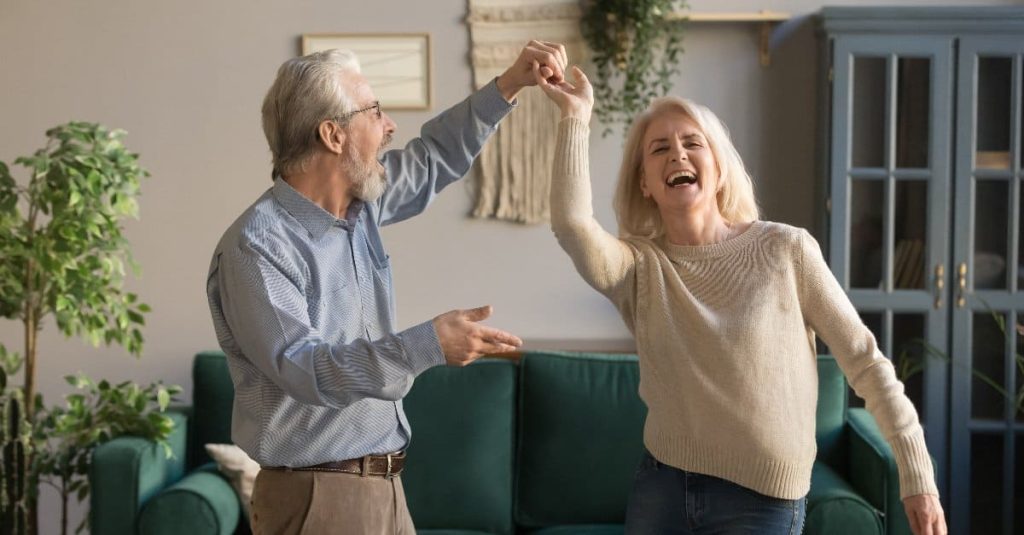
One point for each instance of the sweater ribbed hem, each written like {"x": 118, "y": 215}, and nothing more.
{"x": 771, "y": 477}
{"x": 914, "y": 465}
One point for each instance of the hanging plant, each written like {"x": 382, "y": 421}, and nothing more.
{"x": 635, "y": 52}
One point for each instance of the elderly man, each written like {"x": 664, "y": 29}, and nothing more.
{"x": 301, "y": 296}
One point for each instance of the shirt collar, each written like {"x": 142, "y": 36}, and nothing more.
{"x": 310, "y": 215}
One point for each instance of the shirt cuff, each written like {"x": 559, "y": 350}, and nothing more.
{"x": 422, "y": 347}
{"x": 489, "y": 105}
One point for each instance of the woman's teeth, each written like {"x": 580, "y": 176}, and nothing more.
{"x": 682, "y": 179}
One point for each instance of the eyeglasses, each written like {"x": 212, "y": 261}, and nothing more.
{"x": 375, "y": 107}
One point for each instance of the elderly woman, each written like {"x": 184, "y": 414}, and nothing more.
{"x": 724, "y": 308}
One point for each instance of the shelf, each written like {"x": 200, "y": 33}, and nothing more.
{"x": 767, "y": 19}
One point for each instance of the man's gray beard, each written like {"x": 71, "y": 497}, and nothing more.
{"x": 368, "y": 182}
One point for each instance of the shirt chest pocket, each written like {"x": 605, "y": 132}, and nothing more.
{"x": 380, "y": 260}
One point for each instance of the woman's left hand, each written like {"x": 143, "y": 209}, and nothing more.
{"x": 925, "y": 514}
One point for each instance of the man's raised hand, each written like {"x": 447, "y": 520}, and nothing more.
{"x": 552, "y": 60}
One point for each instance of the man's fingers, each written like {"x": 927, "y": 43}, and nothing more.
{"x": 539, "y": 77}
{"x": 497, "y": 336}
{"x": 479, "y": 314}
{"x": 560, "y": 50}
{"x": 548, "y": 57}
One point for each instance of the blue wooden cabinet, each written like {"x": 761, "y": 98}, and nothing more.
{"x": 924, "y": 152}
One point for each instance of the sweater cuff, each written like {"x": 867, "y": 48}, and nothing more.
{"x": 917, "y": 476}
{"x": 422, "y": 347}
{"x": 574, "y": 138}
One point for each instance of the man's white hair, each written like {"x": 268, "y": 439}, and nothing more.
{"x": 307, "y": 90}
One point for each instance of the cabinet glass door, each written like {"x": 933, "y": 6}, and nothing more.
{"x": 889, "y": 188}
{"x": 987, "y": 407}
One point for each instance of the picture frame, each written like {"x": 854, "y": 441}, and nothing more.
{"x": 396, "y": 65}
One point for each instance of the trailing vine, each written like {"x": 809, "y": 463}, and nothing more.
{"x": 635, "y": 52}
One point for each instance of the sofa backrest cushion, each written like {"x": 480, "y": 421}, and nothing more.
{"x": 832, "y": 406}
{"x": 212, "y": 401}
{"x": 580, "y": 438}
{"x": 458, "y": 473}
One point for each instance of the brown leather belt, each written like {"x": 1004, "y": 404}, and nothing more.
{"x": 386, "y": 466}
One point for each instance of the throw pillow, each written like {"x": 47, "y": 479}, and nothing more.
{"x": 238, "y": 468}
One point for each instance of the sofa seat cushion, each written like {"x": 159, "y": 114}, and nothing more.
{"x": 203, "y": 502}
{"x": 458, "y": 475}
{"x": 833, "y": 507}
{"x": 582, "y": 529}
{"x": 580, "y": 438}
{"x": 450, "y": 532}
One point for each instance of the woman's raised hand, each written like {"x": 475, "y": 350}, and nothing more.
{"x": 575, "y": 100}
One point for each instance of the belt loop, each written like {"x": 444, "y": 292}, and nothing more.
{"x": 366, "y": 465}
{"x": 388, "y": 474}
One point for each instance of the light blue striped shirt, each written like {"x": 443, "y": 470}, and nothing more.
{"x": 303, "y": 306}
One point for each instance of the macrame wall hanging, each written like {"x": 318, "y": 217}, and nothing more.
{"x": 513, "y": 172}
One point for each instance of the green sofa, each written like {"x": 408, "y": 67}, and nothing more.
{"x": 545, "y": 445}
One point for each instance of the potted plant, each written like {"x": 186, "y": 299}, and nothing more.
{"x": 635, "y": 50}
{"x": 63, "y": 253}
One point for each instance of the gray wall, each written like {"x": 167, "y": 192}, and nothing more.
{"x": 186, "y": 79}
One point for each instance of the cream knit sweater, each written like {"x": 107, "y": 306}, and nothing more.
{"x": 725, "y": 337}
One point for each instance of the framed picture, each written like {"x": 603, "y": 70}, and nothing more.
{"x": 397, "y": 65}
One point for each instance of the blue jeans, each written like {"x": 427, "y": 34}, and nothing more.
{"x": 670, "y": 500}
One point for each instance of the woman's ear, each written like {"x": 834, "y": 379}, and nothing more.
{"x": 643, "y": 184}
{"x": 332, "y": 136}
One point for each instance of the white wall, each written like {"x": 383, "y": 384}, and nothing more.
{"x": 186, "y": 80}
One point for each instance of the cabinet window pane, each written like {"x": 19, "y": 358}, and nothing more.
{"x": 909, "y": 260}
{"x": 994, "y": 90}
{"x": 869, "y": 86}
{"x": 990, "y": 228}
{"x": 913, "y": 111}
{"x": 1018, "y": 357}
{"x": 910, "y": 356}
{"x": 1020, "y": 240}
{"x": 986, "y": 484}
{"x": 867, "y": 202}
{"x": 873, "y": 320}
{"x": 987, "y": 366}
{"x": 1018, "y": 485}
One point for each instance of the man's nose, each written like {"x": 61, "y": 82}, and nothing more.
{"x": 389, "y": 125}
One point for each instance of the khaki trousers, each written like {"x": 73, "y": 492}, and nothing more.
{"x": 314, "y": 503}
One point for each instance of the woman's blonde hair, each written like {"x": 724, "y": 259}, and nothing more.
{"x": 639, "y": 216}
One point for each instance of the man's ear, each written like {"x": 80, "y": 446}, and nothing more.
{"x": 332, "y": 136}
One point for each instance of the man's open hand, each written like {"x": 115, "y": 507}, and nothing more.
{"x": 464, "y": 340}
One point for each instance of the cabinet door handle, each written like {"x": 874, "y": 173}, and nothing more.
{"x": 940, "y": 283}
{"x": 961, "y": 300}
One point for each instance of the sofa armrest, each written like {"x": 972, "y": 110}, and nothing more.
{"x": 872, "y": 470}
{"x": 202, "y": 503}
{"x": 128, "y": 471}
